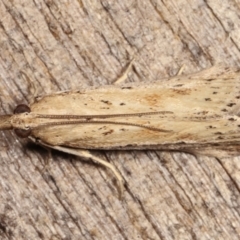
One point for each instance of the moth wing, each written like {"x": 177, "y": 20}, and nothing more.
{"x": 202, "y": 108}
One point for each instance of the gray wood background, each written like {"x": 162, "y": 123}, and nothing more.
{"x": 64, "y": 45}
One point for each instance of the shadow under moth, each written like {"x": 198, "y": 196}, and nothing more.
{"x": 196, "y": 113}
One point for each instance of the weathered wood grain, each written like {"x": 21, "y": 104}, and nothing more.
{"x": 63, "y": 45}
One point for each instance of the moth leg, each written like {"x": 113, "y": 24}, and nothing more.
{"x": 32, "y": 87}
{"x": 123, "y": 76}
{"x": 87, "y": 155}
{"x": 180, "y": 70}
{"x": 35, "y": 91}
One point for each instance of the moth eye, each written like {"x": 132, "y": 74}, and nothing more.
{"x": 21, "y": 108}
{"x": 22, "y": 133}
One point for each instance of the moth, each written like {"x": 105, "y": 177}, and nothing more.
{"x": 197, "y": 113}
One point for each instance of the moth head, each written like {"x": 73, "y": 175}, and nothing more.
{"x": 22, "y": 133}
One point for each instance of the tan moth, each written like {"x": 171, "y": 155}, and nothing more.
{"x": 197, "y": 113}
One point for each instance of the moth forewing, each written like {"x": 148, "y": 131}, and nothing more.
{"x": 190, "y": 109}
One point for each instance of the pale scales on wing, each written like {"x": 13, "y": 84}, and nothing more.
{"x": 197, "y": 110}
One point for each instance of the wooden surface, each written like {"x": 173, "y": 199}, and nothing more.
{"x": 63, "y": 45}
